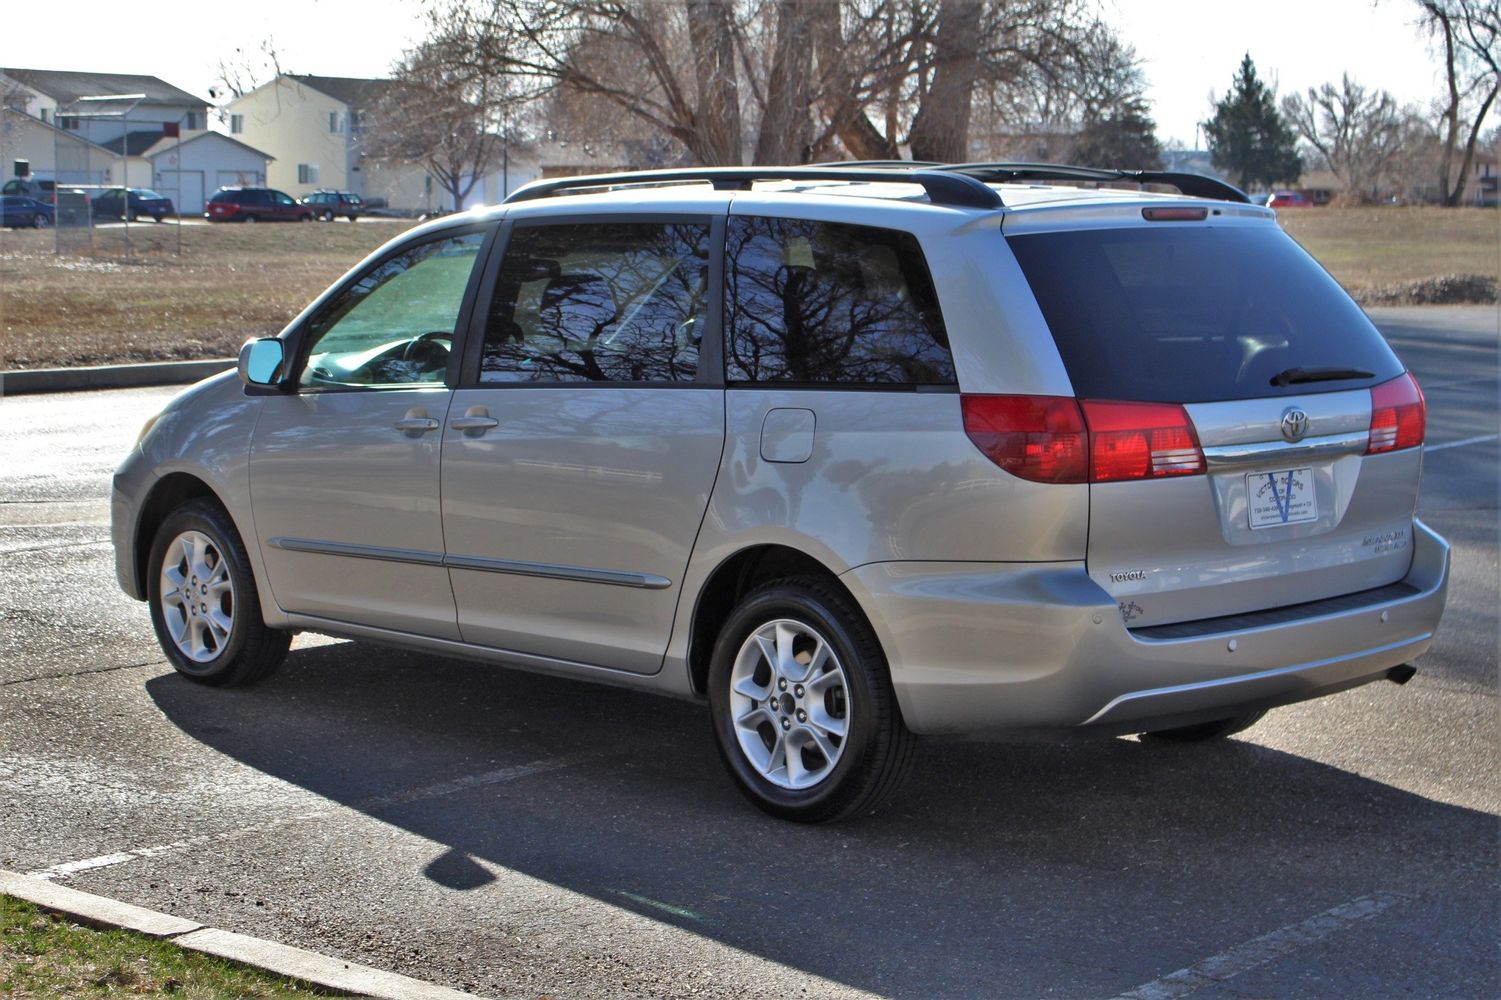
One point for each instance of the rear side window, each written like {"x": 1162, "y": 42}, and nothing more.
{"x": 822, "y": 302}
{"x": 1189, "y": 315}
{"x": 222, "y": 196}
{"x": 599, "y": 302}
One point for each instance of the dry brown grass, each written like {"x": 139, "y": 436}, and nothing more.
{"x": 1372, "y": 247}
{"x": 231, "y": 282}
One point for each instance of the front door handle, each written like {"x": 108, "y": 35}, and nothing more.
{"x": 416, "y": 422}
{"x": 476, "y": 419}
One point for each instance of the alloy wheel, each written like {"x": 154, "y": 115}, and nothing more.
{"x": 790, "y": 702}
{"x": 197, "y": 596}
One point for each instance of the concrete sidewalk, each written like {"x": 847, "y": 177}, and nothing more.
{"x": 278, "y": 959}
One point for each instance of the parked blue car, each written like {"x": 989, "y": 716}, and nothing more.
{"x": 20, "y": 212}
{"x": 111, "y": 204}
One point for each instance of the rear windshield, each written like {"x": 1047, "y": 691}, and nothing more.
{"x": 1189, "y": 315}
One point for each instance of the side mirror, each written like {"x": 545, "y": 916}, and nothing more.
{"x": 261, "y": 362}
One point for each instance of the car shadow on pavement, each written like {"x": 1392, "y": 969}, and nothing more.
{"x": 997, "y": 864}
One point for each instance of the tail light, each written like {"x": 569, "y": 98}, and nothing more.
{"x": 1058, "y": 439}
{"x": 1398, "y": 415}
{"x": 1040, "y": 438}
{"x": 1140, "y": 441}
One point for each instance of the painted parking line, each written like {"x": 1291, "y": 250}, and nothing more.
{"x": 1267, "y": 948}
{"x": 1481, "y": 439}
{"x": 69, "y": 868}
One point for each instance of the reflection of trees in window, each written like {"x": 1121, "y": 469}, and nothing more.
{"x": 609, "y": 302}
{"x": 823, "y": 302}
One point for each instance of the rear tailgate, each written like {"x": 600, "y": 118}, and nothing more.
{"x": 1274, "y": 367}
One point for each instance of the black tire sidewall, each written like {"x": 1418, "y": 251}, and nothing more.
{"x": 790, "y": 601}
{"x": 213, "y": 523}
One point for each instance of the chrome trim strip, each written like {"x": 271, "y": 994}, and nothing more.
{"x": 579, "y": 574}
{"x": 1230, "y": 455}
{"x": 380, "y": 552}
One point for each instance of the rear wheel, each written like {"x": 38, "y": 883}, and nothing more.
{"x": 40, "y": 221}
{"x": 328, "y": 216}
{"x": 204, "y": 603}
{"x": 802, "y": 706}
{"x": 250, "y": 218}
{"x": 1204, "y": 732}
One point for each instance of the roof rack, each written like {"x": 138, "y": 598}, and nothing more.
{"x": 1193, "y": 185}
{"x": 944, "y": 188}
{"x": 961, "y": 185}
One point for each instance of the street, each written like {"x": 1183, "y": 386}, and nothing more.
{"x": 517, "y": 835}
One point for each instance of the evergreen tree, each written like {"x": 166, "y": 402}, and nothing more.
{"x": 1123, "y": 136}
{"x": 1248, "y": 137}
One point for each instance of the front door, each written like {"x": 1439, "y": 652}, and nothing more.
{"x": 344, "y": 470}
{"x": 579, "y": 454}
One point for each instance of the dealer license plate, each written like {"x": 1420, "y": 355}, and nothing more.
{"x": 1282, "y": 497}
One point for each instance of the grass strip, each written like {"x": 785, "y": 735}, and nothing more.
{"x": 43, "y": 954}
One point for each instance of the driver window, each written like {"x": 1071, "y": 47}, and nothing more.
{"x": 396, "y": 325}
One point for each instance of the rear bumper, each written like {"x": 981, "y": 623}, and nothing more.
{"x": 978, "y": 647}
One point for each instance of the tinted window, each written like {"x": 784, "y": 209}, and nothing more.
{"x": 396, "y": 324}
{"x": 222, "y": 196}
{"x": 602, "y": 302}
{"x": 819, "y": 302}
{"x": 1184, "y": 315}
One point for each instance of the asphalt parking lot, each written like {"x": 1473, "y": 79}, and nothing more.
{"x": 518, "y": 836}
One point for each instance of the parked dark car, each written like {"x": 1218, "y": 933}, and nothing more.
{"x": 326, "y": 205}
{"x": 75, "y": 200}
{"x": 20, "y": 212}
{"x": 118, "y": 203}
{"x": 255, "y": 204}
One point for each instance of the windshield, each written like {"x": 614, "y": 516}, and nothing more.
{"x": 1196, "y": 314}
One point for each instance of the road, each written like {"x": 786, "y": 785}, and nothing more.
{"x": 517, "y": 835}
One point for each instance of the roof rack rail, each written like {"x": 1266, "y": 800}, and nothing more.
{"x": 944, "y": 187}
{"x": 1193, "y": 185}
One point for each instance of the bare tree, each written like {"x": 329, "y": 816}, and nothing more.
{"x": 783, "y": 80}
{"x": 1467, "y": 34}
{"x": 450, "y": 122}
{"x": 246, "y": 70}
{"x": 1356, "y": 133}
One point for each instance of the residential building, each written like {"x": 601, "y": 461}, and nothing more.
{"x": 190, "y": 167}
{"x": 314, "y": 129}
{"x": 63, "y": 98}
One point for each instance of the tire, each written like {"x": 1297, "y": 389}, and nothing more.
{"x": 304, "y": 218}
{"x": 352, "y": 218}
{"x": 328, "y": 216}
{"x": 224, "y": 641}
{"x": 1205, "y": 732}
{"x": 157, "y": 218}
{"x": 250, "y": 218}
{"x": 755, "y": 706}
{"x": 134, "y": 217}
{"x": 40, "y": 221}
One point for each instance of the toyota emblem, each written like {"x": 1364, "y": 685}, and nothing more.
{"x": 1294, "y": 424}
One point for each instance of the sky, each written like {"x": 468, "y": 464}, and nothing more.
{"x": 1190, "y": 49}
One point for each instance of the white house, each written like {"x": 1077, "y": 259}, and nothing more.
{"x": 66, "y": 99}
{"x": 191, "y": 167}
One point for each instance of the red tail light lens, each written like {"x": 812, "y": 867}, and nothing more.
{"x": 1140, "y": 441}
{"x": 1057, "y": 439}
{"x": 1399, "y": 415}
{"x": 1040, "y": 438}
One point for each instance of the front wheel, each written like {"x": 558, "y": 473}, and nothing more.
{"x": 802, "y": 706}
{"x": 204, "y": 603}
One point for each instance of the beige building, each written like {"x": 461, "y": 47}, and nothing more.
{"x": 312, "y": 127}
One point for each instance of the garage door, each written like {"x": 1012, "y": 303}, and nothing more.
{"x": 184, "y": 187}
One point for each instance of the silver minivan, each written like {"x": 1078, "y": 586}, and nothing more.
{"x": 853, "y": 454}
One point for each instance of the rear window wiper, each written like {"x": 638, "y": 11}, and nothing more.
{"x": 1297, "y": 376}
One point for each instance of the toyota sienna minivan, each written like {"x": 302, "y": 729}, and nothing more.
{"x": 852, "y": 454}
